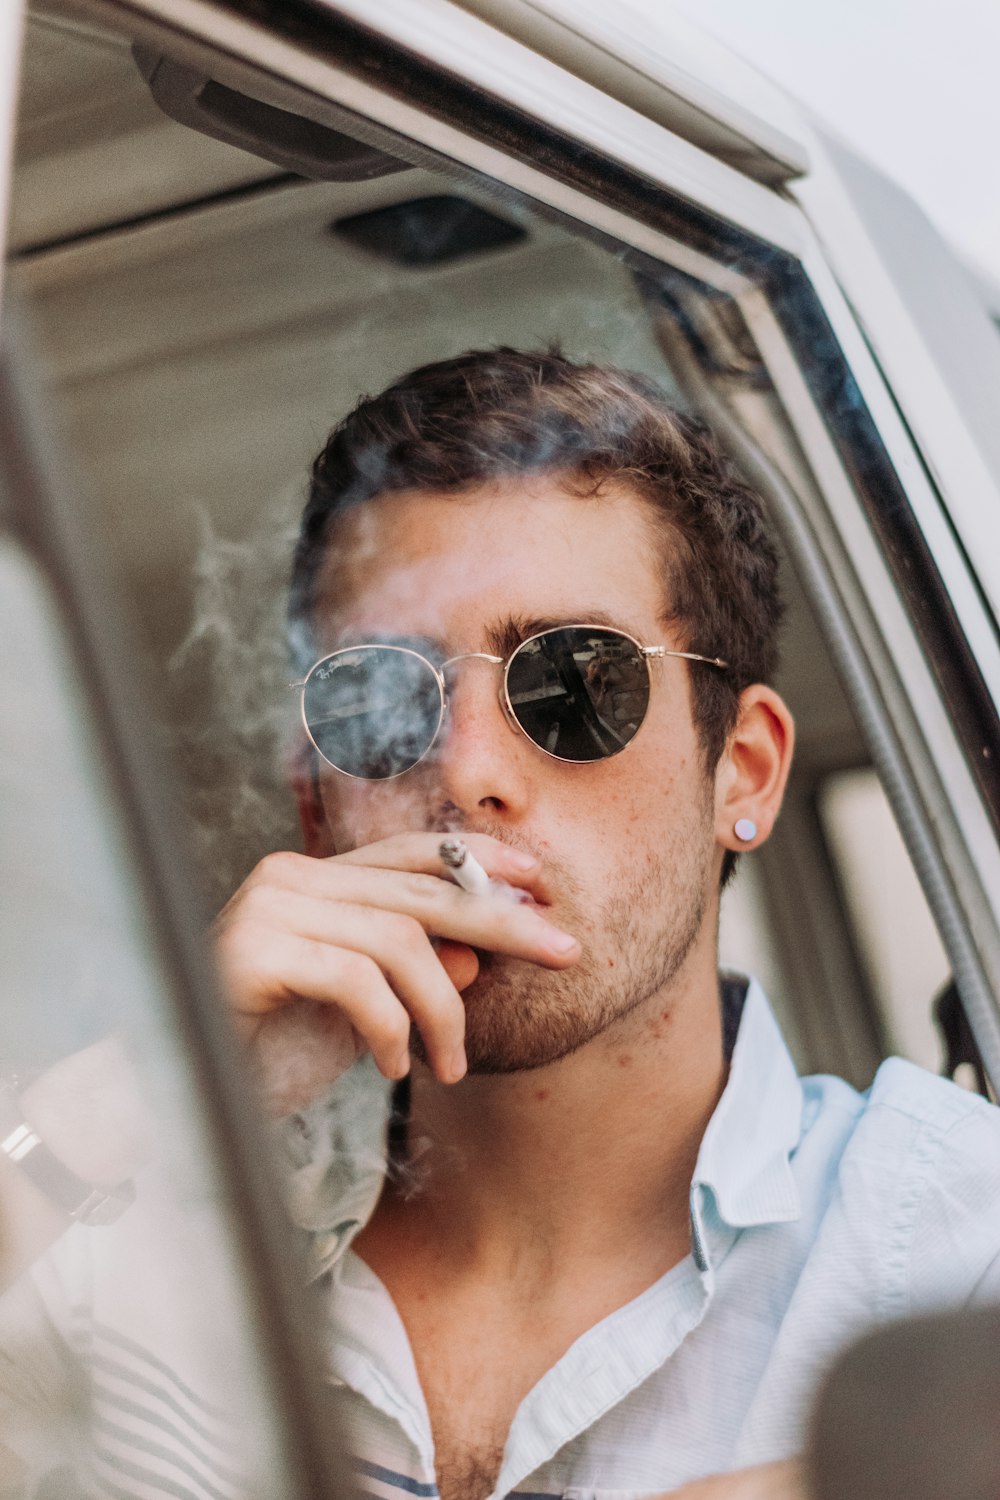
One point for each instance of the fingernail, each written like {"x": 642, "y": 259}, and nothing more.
{"x": 459, "y": 1064}
{"x": 521, "y": 861}
{"x": 560, "y": 942}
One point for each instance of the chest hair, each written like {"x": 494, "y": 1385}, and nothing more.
{"x": 465, "y": 1472}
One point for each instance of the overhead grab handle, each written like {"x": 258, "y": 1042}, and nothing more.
{"x": 291, "y": 141}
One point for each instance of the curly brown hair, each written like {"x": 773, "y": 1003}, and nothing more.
{"x": 495, "y": 414}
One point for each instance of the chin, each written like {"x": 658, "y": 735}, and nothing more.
{"x": 520, "y": 1017}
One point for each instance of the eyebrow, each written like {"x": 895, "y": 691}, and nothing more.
{"x": 501, "y": 638}
{"x": 504, "y": 636}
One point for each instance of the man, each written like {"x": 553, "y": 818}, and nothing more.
{"x": 608, "y": 1240}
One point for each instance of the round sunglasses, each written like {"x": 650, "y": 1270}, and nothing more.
{"x": 579, "y": 692}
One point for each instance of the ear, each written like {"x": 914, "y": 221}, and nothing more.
{"x": 317, "y": 839}
{"x": 751, "y": 775}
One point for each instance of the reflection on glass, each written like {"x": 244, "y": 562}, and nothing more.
{"x": 126, "y": 1360}
{"x": 374, "y": 711}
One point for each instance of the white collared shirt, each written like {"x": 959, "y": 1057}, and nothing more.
{"x": 816, "y": 1211}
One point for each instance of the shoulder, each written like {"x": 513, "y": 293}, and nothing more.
{"x": 955, "y": 1132}
{"x": 937, "y": 1102}
{"x": 905, "y": 1102}
{"x": 922, "y": 1160}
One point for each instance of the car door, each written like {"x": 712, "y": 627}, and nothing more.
{"x": 231, "y": 220}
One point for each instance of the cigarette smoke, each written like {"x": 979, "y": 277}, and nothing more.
{"x": 234, "y": 720}
{"x": 234, "y": 717}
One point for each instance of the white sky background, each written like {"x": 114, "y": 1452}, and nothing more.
{"x": 912, "y": 84}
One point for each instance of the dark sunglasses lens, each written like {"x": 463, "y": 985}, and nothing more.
{"x": 580, "y": 694}
{"x": 373, "y": 712}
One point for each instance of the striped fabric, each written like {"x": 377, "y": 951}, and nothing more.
{"x": 377, "y": 1483}
{"x": 120, "y": 1363}
{"x": 153, "y": 1435}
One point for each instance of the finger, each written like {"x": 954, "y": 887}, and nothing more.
{"x": 403, "y": 952}
{"x": 418, "y": 853}
{"x": 299, "y": 1051}
{"x": 279, "y": 968}
{"x": 396, "y": 942}
{"x": 459, "y": 962}
{"x": 441, "y": 908}
{"x": 421, "y": 854}
{"x": 446, "y": 911}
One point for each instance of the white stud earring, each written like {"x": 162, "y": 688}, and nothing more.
{"x": 745, "y": 829}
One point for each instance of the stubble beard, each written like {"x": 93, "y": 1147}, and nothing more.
{"x": 520, "y": 1017}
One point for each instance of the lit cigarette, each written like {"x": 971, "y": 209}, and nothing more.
{"x": 464, "y": 868}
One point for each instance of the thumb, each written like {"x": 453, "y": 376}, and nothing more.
{"x": 460, "y": 962}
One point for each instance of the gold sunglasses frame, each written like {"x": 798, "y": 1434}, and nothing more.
{"x": 647, "y": 653}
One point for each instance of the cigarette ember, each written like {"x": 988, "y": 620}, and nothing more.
{"x": 464, "y": 868}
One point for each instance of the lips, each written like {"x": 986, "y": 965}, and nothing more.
{"x": 536, "y": 893}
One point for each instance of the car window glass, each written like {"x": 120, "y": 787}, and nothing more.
{"x": 168, "y": 1380}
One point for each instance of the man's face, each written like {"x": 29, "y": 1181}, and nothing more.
{"x": 630, "y": 860}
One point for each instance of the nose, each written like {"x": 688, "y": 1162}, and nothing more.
{"x": 480, "y": 760}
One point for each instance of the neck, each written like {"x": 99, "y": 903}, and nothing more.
{"x": 566, "y": 1160}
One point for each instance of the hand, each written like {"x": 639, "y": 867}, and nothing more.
{"x": 325, "y": 958}
{"x": 89, "y": 1110}
{"x": 777, "y": 1481}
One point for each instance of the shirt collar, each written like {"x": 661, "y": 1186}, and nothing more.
{"x": 745, "y": 1151}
